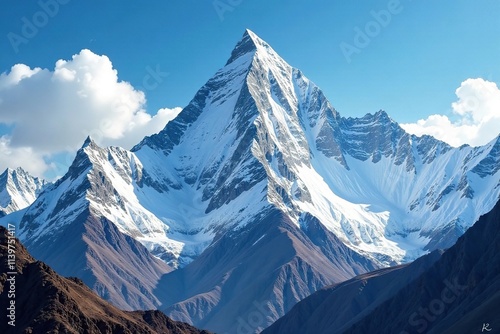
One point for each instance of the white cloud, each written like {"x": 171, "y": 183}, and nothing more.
{"x": 13, "y": 157}
{"x": 54, "y": 111}
{"x": 17, "y": 73}
{"x": 477, "y": 114}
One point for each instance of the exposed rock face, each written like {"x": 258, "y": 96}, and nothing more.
{"x": 453, "y": 293}
{"x": 45, "y": 302}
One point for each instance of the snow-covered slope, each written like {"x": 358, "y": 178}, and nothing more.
{"x": 425, "y": 192}
{"x": 104, "y": 181}
{"x": 18, "y": 189}
{"x": 258, "y": 156}
{"x": 88, "y": 224}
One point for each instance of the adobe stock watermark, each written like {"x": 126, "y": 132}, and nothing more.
{"x": 421, "y": 318}
{"x": 153, "y": 78}
{"x": 363, "y": 36}
{"x": 10, "y": 284}
{"x": 31, "y": 26}
{"x": 254, "y": 320}
{"x": 223, "y": 6}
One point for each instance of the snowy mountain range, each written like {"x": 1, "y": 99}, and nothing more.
{"x": 256, "y": 195}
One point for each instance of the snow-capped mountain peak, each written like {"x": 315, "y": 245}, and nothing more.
{"x": 260, "y": 153}
{"x": 250, "y": 44}
{"x": 18, "y": 189}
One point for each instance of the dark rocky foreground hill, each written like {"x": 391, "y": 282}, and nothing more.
{"x": 457, "y": 293}
{"x": 48, "y": 303}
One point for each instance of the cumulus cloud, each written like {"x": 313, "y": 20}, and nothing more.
{"x": 475, "y": 116}
{"x": 26, "y": 157}
{"x": 51, "y": 111}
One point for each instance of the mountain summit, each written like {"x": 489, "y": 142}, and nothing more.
{"x": 248, "y": 44}
{"x": 257, "y": 194}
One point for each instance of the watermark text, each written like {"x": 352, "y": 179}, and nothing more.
{"x": 11, "y": 275}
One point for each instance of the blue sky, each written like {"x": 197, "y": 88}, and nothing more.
{"x": 411, "y": 61}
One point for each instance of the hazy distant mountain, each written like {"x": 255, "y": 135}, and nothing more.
{"x": 48, "y": 303}
{"x": 257, "y": 193}
{"x": 18, "y": 189}
{"x": 458, "y": 293}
